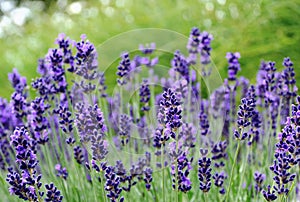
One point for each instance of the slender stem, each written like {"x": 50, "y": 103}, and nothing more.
{"x": 163, "y": 172}
{"x": 243, "y": 171}
{"x": 102, "y": 187}
{"x": 232, "y": 170}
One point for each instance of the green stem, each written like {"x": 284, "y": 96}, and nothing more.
{"x": 232, "y": 170}
{"x": 243, "y": 172}
{"x": 163, "y": 172}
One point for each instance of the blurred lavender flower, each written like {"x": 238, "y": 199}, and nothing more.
{"x": 259, "y": 179}
{"x": 180, "y": 65}
{"x": 148, "y": 177}
{"x": 193, "y": 44}
{"x": 124, "y": 69}
{"x": 125, "y": 128}
{"x": 234, "y": 65}
{"x": 17, "y": 81}
{"x": 61, "y": 172}
{"x": 145, "y": 95}
{"x": 102, "y": 87}
{"x": 219, "y": 181}
{"x": 205, "y": 49}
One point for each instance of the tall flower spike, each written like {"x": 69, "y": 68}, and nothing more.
{"x": 180, "y": 65}
{"x": 145, "y": 96}
{"x": 124, "y": 69}
{"x": 204, "y": 173}
{"x": 193, "y": 44}
{"x": 205, "y": 47}
{"x": 53, "y": 194}
{"x": 234, "y": 65}
{"x": 125, "y": 128}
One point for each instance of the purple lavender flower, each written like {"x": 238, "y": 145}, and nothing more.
{"x": 259, "y": 179}
{"x": 61, "y": 172}
{"x": 205, "y": 47}
{"x": 204, "y": 173}
{"x": 26, "y": 186}
{"x": 234, "y": 65}
{"x": 19, "y": 105}
{"x": 147, "y": 48}
{"x": 38, "y": 121}
{"x": 269, "y": 195}
{"x": 102, "y": 87}
{"x": 203, "y": 121}
{"x": 112, "y": 185}
{"x": 193, "y": 44}
{"x": 145, "y": 95}
{"x": 64, "y": 44}
{"x": 148, "y": 178}
{"x": 124, "y": 69}
{"x": 52, "y": 194}
{"x": 219, "y": 181}
{"x": 219, "y": 154}
{"x": 125, "y": 128}
{"x": 65, "y": 119}
{"x": 180, "y": 170}
{"x": 17, "y": 81}
{"x": 180, "y": 65}
{"x": 244, "y": 114}
{"x": 78, "y": 154}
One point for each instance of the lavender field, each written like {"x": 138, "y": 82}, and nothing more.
{"x": 165, "y": 133}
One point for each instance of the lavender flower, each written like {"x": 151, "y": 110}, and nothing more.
{"x": 193, "y": 44}
{"x": 148, "y": 178}
{"x": 204, "y": 173}
{"x": 112, "y": 185}
{"x": 125, "y": 127}
{"x": 52, "y": 194}
{"x": 17, "y": 81}
{"x": 244, "y": 114}
{"x": 180, "y": 65}
{"x": 259, "y": 179}
{"x": 234, "y": 65}
{"x": 26, "y": 186}
{"x": 61, "y": 172}
{"x": 269, "y": 195}
{"x": 219, "y": 181}
{"x": 124, "y": 69}
{"x": 205, "y": 48}
{"x": 78, "y": 154}
{"x": 147, "y": 48}
{"x": 145, "y": 95}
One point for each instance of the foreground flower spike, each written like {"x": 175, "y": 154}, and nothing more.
{"x": 244, "y": 114}
{"x": 52, "y": 194}
{"x": 145, "y": 95}
{"x": 24, "y": 185}
{"x": 234, "y": 65}
{"x": 219, "y": 181}
{"x": 124, "y": 69}
{"x": 269, "y": 195}
{"x": 112, "y": 185}
{"x": 204, "y": 173}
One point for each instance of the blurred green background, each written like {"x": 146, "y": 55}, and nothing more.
{"x": 266, "y": 29}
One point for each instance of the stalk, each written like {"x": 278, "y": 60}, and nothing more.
{"x": 232, "y": 169}
{"x": 163, "y": 173}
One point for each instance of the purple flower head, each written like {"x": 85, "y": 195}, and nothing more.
{"x": 148, "y": 178}
{"x": 112, "y": 185}
{"x": 17, "y": 81}
{"x": 205, "y": 47}
{"x": 203, "y": 122}
{"x": 269, "y": 195}
{"x": 102, "y": 87}
{"x": 147, "y": 48}
{"x": 61, "y": 172}
{"x": 19, "y": 105}
{"x": 125, "y": 128}
{"x": 52, "y": 194}
{"x": 259, "y": 178}
{"x": 124, "y": 69}
{"x": 219, "y": 181}
{"x": 193, "y": 45}
{"x": 145, "y": 95}
{"x": 180, "y": 65}
{"x": 204, "y": 173}
{"x": 233, "y": 65}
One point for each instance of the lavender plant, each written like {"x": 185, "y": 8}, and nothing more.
{"x": 85, "y": 141}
